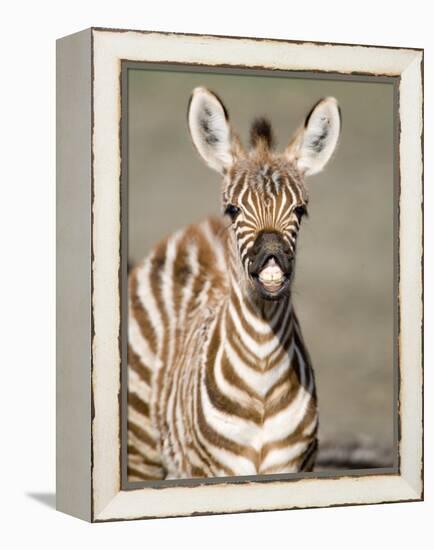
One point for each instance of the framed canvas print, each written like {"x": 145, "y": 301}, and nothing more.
{"x": 239, "y": 274}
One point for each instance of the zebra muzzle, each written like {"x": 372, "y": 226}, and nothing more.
{"x": 271, "y": 265}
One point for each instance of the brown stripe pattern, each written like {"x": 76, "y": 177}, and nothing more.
{"x": 217, "y": 386}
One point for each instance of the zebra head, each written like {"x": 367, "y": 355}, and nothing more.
{"x": 263, "y": 194}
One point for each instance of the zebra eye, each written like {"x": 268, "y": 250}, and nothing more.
{"x": 232, "y": 211}
{"x": 300, "y": 211}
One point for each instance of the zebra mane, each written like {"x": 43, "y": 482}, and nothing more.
{"x": 261, "y": 133}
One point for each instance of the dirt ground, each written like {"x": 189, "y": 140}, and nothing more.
{"x": 343, "y": 289}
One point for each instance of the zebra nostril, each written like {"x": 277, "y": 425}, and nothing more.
{"x": 288, "y": 251}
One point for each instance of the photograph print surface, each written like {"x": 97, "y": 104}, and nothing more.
{"x": 260, "y": 310}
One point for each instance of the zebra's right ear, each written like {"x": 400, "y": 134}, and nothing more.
{"x": 210, "y": 130}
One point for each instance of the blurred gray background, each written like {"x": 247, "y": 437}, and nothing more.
{"x": 343, "y": 290}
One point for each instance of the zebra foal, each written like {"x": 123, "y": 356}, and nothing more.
{"x": 219, "y": 378}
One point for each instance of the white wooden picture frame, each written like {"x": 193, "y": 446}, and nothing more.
{"x": 90, "y": 270}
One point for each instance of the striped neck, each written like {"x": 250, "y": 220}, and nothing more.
{"x": 260, "y": 331}
{"x": 263, "y": 311}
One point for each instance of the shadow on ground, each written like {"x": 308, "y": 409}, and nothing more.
{"x": 47, "y": 499}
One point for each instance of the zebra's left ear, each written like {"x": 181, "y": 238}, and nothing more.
{"x": 210, "y": 130}
{"x": 314, "y": 144}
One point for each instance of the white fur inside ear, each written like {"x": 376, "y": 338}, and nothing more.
{"x": 319, "y": 137}
{"x": 209, "y": 129}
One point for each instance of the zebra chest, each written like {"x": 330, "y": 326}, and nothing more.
{"x": 234, "y": 412}
{"x": 255, "y": 410}
{"x": 253, "y": 435}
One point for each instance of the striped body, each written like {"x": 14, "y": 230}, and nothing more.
{"x": 217, "y": 387}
